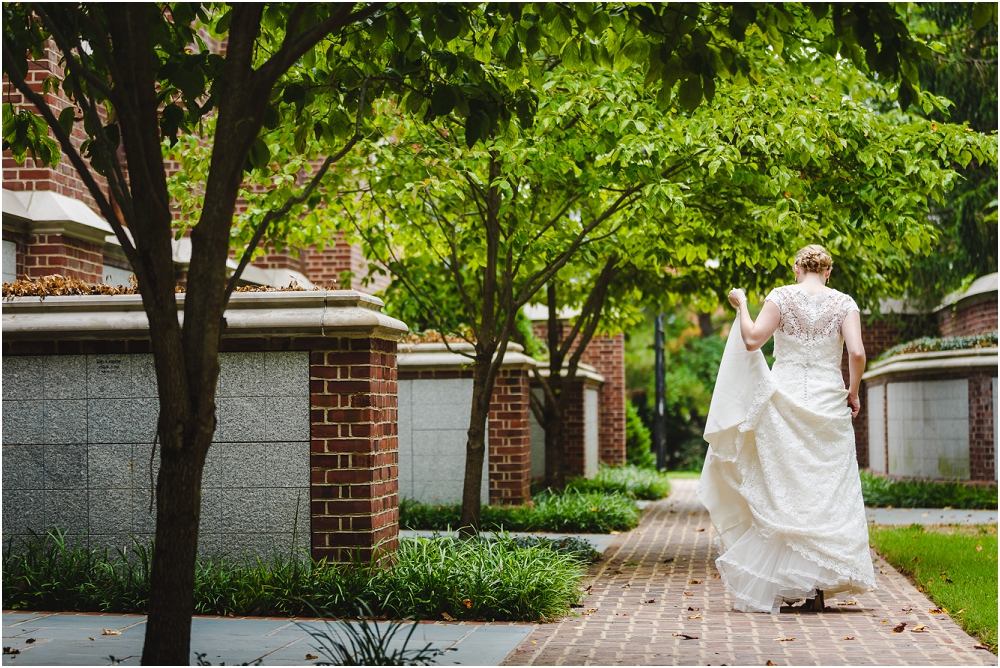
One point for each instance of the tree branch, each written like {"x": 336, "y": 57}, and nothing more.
{"x": 275, "y": 214}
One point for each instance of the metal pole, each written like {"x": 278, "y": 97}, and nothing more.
{"x": 659, "y": 409}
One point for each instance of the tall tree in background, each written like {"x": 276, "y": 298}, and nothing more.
{"x": 964, "y": 72}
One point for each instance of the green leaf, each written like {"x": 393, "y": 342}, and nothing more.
{"x": 443, "y": 99}
{"x": 690, "y": 93}
{"x": 475, "y": 128}
{"x": 982, "y": 14}
{"x": 66, "y": 119}
{"x": 571, "y": 55}
{"x": 260, "y": 154}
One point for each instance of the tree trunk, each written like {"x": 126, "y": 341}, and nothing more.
{"x": 705, "y": 324}
{"x": 475, "y": 447}
{"x": 178, "y": 512}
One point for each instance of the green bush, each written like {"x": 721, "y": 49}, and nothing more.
{"x": 640, "y": 483}
{"x": 880, "y": 491}
{"x": 494, "y": 578}
{"x": 637, "y": 440}
{"x": 569, "y": 512}
{"x": 929, "y": 344}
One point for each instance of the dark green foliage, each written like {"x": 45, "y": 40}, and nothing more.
{"x": 957, "y": 568}
{"x": 569, "y": 512}
{"x": 879, "y": 491}
{"x": 931, "y": 344}
{"x": 692, "y": 363}
{"x": 637, "y": 440}
{"x": 571, "y": 545}
{"x": 496, "y": 578}
{"x": 966, "y": 74}
{"x": 639, "y": 483}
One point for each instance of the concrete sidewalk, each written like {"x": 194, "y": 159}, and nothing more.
{"x": 907, "y": 516}
{"x": 74, "y": 639}
{"x": 657, "y": 600}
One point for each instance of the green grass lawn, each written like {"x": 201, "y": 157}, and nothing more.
{"x": 956, "y": 566}
{"x": 684, "y": 475}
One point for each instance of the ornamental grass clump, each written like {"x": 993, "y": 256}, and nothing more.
{"x": 573, "y": 511}
{"x": 640, "y": 483}
{"x": 930, "y": 344}
{"x": 880, "y": 491}
{"x": 495, "y": 579}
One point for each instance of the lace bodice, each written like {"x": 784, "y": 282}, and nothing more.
{"x": 809, "y": 330}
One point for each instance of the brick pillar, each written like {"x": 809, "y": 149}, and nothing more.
{"x": 47, "y": 254}
{"x": 354, "y": 448}
{"x": 510, "y": 438}
{"x": 574, "y": 431}
{"x": 607, "y": 355}
{"x": 982, "y": 445}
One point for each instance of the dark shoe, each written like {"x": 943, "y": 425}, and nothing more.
{"x": 817, "y": 604}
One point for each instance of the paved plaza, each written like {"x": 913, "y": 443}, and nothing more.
{"x": 657, "y": 599}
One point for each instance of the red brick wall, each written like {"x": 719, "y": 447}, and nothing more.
{"x": 354, "y": 448}
{"x": 976, "y": 315}
{"x": 59, "y": 254}
{"x": 607, "y": 355}
{"x": 327, "y": 267}
{"x": 982, "y": 444}
{"x": 63, "y": 178}
{"x": 574, "y": 431}
{"x": 510, "y": 438}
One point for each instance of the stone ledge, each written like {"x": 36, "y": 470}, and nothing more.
{"x": 414, "y": 356}
{"x": 250, "y": 314}
{"x": 937, "y": 361}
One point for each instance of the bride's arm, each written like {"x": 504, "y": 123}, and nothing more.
{"x": 755, "y": 334}
{"x": 851, "y": 330}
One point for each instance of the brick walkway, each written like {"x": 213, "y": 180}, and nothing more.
{"x": 659, "y": 582}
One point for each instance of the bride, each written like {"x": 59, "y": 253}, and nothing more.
{"x": 781, "y": 477}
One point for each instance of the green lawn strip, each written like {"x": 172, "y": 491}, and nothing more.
{"x": 955, "y": 566}
{"x": 569, "y": 512}
{"x": 684, "y": 475}
{"x": 879, "y": 491}
{"x": 495, "y": 579}
{"x": 642, "y": 483}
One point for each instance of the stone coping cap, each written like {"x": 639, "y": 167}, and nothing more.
{"x": 300, "y": 313}
{"x": 981, "y": 286}
{"x": 936, "y": 361}
{"x": 414, "y": 356}
{"x": 48, "y": 212}
{"x": 585, "y": 372}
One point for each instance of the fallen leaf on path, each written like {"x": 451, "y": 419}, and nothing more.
{"x": 784, "y": 639}
{"x": 899, "y": 627}
{"x": 447, "y": 617}
{"x": 618, "y": 572}
{"x": 770, "y": 663}
{"x": 907, "y": 609}
{"x": 627, "y": 586}
{"x": 668, "y": 560}
{"x": 936, "y": 611}
{"x": 694, "y": 616}
{"x": 592, "y": 610}
{"x": 960, "y": 611}
{"x": 11, "y": 650}
{"x": 716, "y": 576}
{"x": 687, "y": 593}
{"x": 534, "y": 642}
{"x": 918, "y": 629}
{"x": 698, "y": 530}
{"x": 310, "y": 657}
{"x": 624, "y": 614}
{"x": 578, "y": 628}
{"x": 29, "y": 641}
{"x": 848, "y": 603}
{"x": 109, "y": 632}
{"x": 848, "y": 637}
{"x": 652, "y": 600}
{"x": 685, "y": 636}
{"x": 694, "y": 582}
{"x": 884, "y": 621}
{"x": 690, "y": 609}
{"x": 981, "y": 647}
{"x": 89, "y": 638}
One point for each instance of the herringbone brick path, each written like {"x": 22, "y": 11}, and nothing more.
{"x": 657, "y": 599}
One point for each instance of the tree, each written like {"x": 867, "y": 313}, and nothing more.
{"x": 140, "y": 74}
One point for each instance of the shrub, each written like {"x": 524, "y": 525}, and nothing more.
{"x": 640, "y": 483}
{"x": 569, "y": 512}
{"x": 637, "y": 440}
{"x": 495, "y": 578}
{"x": 880, "y": 491}
{"x": 929, "y": 344}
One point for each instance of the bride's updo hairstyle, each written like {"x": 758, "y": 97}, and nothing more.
{"x": 814, "y": 259}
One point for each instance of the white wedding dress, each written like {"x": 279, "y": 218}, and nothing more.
{"x": 781, "y": 476}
